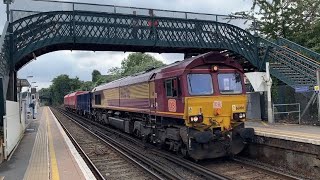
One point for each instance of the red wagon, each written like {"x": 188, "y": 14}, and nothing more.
{"x": 70, "y": 100}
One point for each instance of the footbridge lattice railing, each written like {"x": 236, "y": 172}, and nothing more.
{"x": 95, "y": 27}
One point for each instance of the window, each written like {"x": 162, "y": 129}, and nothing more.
{"x": 200, "y": 84}
{"x": 171, "y": 86}
{"x": 230, "y": 83}
{"x": 97, "y": 99}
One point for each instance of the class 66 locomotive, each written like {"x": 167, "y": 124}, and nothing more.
{"x": 196, "y": 107}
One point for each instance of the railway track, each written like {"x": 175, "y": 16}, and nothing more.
{"x": 242, "y": 169}
{"x": 214, "y": 169}
{"x": 106, "y": 160}
{"x": 158, "y": 167}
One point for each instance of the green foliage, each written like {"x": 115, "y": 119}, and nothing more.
{"x": 134, "y": 63}
{"x": 98, "y": 79}
{"x": 309, "y": 38}
{"x": 45, "y": 96}
{"x": 86, "y": 86}
{"x": 95, "y": 75}
{"x": 63, "y": 85}
{"x": 289, "y": 19}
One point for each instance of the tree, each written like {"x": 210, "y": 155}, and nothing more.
{"x": 86, "y": 86}
{"x": 63, "y": 85}
{"x": 134, "y": 63}
{"x": 283, "y": 18}
{"x": 45, "y": 95}
{"x": 309, "y": 38}
{"x": 98, "y": 79}
{"x": 95, "y": 75}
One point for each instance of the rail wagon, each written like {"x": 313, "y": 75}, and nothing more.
{"x": 84, "y": 104}
{"x": 196, "y": 106}
{"x": 70, "y": 100}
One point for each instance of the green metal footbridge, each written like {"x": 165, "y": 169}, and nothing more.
{"x": 80, "y": 26}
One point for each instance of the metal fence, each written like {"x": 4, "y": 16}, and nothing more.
{"x": 287, "y": 112}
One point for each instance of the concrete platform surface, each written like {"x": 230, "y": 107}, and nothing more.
{"x": 45, "y": 152}
{"x": 291, "y": 132}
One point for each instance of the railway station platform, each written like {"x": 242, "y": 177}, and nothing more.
{"x": 290, "y": 147}
{"x": 290, "y": 132}
{"x": 45, "y": 152}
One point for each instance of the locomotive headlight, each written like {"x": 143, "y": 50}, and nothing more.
{"x": 214, "y": 68}
{"x": 238, "y": 116}
{"x": 195, "y": 119}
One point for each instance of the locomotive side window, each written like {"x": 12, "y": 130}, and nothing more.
{"x": 97, "y": 99}
{"x": 200, "y": 84}
{"x": 171, "y": 86}
{"x": 230, "y": 83}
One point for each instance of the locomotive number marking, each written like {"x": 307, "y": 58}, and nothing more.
{"x": 238, "y": 107}
{"x": 217, "y": 104}
{"x": 172, "y": 105}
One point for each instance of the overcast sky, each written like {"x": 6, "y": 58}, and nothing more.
{"x": 81, "y": 63}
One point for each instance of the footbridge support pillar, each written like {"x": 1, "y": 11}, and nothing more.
{"x": 12, "y": 86}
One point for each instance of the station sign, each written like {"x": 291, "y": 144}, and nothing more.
{"x": 301, "y": 89}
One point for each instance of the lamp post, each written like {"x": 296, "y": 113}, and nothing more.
{"x": 8, "y": 2}
{"x": 32, "y": 85}
{"x": 28, "y": 81}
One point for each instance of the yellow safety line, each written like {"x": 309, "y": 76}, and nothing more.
{"x": 265, "y": 124}
{"x": 53, "y": 160}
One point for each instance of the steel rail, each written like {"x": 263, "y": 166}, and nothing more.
{"x": 197, "y": 168}
{"x": 125, "y": 151}
{"x": 201, "y": 170}
{"x": 268, "y": 170}
{"x": 188, "y": 164}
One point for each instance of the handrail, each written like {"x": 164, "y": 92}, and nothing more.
{"x": 288, "y": 112}
{"x": 131, "y": 7}
{"x": 303, "y": 59}
{"x": 298, "y": 47}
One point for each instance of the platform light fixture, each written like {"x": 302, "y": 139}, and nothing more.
{"x": 8, "y": 1}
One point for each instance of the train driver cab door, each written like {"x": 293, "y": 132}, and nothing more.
{"x": 172, "y": 92}
{"x": 152, "y": 94}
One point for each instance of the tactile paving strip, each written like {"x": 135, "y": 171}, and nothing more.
{"x": 38, "y": 168}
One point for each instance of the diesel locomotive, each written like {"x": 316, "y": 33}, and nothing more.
{"x": 196, "y": 107}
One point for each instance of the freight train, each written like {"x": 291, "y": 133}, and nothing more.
{"x": 196, "y": 107}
